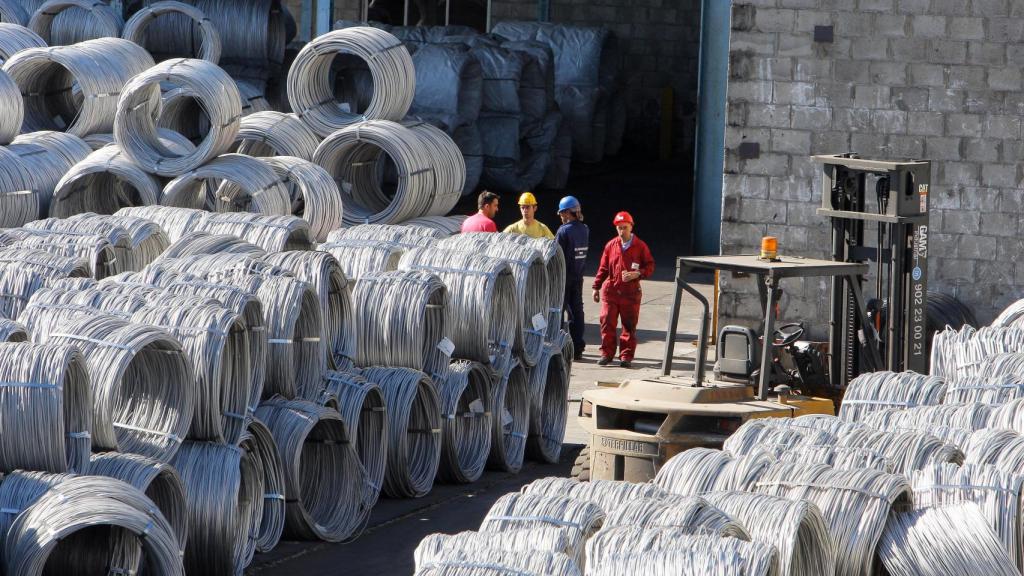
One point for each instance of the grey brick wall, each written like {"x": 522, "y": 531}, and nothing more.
{"x": 933, "y": 79}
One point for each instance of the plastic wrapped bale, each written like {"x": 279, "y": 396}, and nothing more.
{"x": 537, "y": 151}
{"x": 499, "y": 136}
{"x": 537, "y": 82}
{"x": 616, "y": 123}
{"x": 449, "y": 81}
{"x": 557, "y": 175}
{"x": 502, "y": 73}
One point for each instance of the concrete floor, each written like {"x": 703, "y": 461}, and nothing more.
{"x": 397, "y": 526}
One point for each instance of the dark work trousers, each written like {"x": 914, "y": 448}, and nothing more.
{"x": 573, "y": 306}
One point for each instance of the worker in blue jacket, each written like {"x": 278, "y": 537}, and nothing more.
{"x": 574, "y": 238}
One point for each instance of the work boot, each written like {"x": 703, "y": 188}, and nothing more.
{"x": 604, "y": 361}
{"x": 577, "y": 356}
{"x": 625, "y": 364}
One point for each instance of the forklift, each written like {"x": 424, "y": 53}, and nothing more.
{"x": 637, "y": 426}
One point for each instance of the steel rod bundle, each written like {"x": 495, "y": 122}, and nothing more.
{"x": 17, "y": 285}
{"x": 359, "y": 258}
{"x": 496, "y": 561}
{"x": 253, "y": 35}
{"x": 311, "y": 91}
{"x": 414, "y": 430}
{"x": 15, "y": 37}
{"x": 687, "y": 562}
{"x": 437, "y": 227}
{"x": 20, "y": 489}
{"x": 905, "y": 451}
{"x": 825, "y": 422}
{"x": 323, "y": 273}
{"x": 692, "y": 513}
{"x": 75, "y": 88}
{"x": 754, "y": 435}
{"x": 744, "y": 472}
{"x": 326, "y": 483}
{"x": 549, "y": 397}
{"x": 138, "y": 26}
{"x": 85, "y": 20}
{"x": 482, "y": 300}
{"x": 606, "y": 494}
{"x": 268, "y": 134}
{"x": 990, "y": 390}
{"x": 12, "y": 12}
{"x": 224, "y": 490}
{"x": 921, "y": 543}
{"x": 208, "y": 244}
{"x": 510, "y": 416}
{"x": 960, "y": 353}
{"x": 135, "y": 126}
{"x": 795, "y": 528}
{"x": 271, "y": 233}
{"x": 951, "y": 423}
{"x": 11, "y": 331}
{"x": 407, "y": 236}
{"x": 997, "y": 494}
{"x": 554, "y": 263}
{"x": 314, "y": 195}
{"x": 13, "y": 106}
{"x": 465, "y": 422}
{"x": 439, "y": 548}
{"x": 117, "y": 236}
{"x": 104, "y": 182}
{"x": 258, "y": 443}
{"x": 625, "y": 546}
{"x": 140, "y": 381}
{"x": 400, "y": 321}
{"x": 449, "y": 168}
{"x": 214, "y": 339}
{"x": 841, "y": 457}
{"x": 877, "y": 391}
{"x": 48, "y": 265}
{"x": 147, "y": 240}
{"x": 45, "y": 397}
{"x": 175, "y": 222}
{"x": 47, "y": 156}
{"x": 246, "y": 185}
{"x": 362, "y": 407}
{"x": 20, "y": 199}
{"x": 95, "y": 250}
{"x": 42, "y": 318}
{"x": 693, "y": 472}
{"x": 580, "y": 519}
{"x": 854, "y": 503}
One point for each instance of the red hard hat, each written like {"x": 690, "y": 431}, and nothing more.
{"x": 622, "y": 218}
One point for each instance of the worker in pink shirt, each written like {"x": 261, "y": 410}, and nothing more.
{"x": 483, "y": 220}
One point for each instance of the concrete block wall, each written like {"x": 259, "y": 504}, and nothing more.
{"x": 932, "y": 79}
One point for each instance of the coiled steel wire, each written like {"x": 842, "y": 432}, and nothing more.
{"x": 175, "y": 222}
{"x": 15, "y": 37}
{"x": 549, "y": 402}
{"x": 314, "y": 195}
{"x": 311, "y": 91}
{"x": 414, "y": 430}
{"x": 326, "y": 483}
{"x": 406, "y": 236}
{"x": 11, "y": 12}
{"x": 606, "y": 494}
{"x": 140, "y": 381}
{"x": 510, "y": 416}
{"x": 755, "y": 435}
{"x": 75, "y": 88}
{"x": 465, "y": 422}
{"x": 147, "y": 240}
{"x": 138, "y": 26}
{"x": 95, "y": 250}
{"x": 439, "y": 548}
{"x": 876, "y": 391}
{"x": 45, "y": 397}
{"x": 13, "y": 106}
{"x": 634, "y": 550}
{"x": 246, "y": 185}
{"x": 449, "y": 167}
{"x": 258, "y": 443}
{"x": 439, "y": 227}
{"x": 20, "y": 199}
{"x": 362, "y": 406}
{"x": 11, "y": 331}
{"x": 47, "y": 156}
{"x": 118, "y": 238}
{"x": 905, "y": 451}
{"x": 275, "y": 134}
{"x": 692, "y": 513}
{"x": 20, "y": 489}
{"x": 843, "y": 457}
{"x": 359, "y": 258}
{"x": 271, "y": 233}
{"x": 135, "y": 126}
{"x": 104, "y": 182}
{"x": 580, "y": 519}
{"x": 199, "y": 243}
{"x": 495, "y": 561}
{"x": 46, "y": 265}
{"x": 989, "y": 390}
{"x": 699, "y": 471}
{"x": 85, "y": 20}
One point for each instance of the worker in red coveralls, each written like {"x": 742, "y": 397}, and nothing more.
{"x": 483, "y": 220}
{"x": 626, "y": 261}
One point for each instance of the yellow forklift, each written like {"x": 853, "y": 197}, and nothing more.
{"x": 637, "y": 426}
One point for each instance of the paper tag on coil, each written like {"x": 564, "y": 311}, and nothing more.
{"x": 539, "y": 323}
{"x": 476, "y": 406}
{"x": 446, "y": 346}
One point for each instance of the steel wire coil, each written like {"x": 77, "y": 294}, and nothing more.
{"x": 952, "y": 424}
{"x": 13, "y": 106}
{"x": 258, "y": 443}
{"x": 62, "y": 516}
{"x": 854, "y": 503}
{"x": 795, "y": 528}
{"x": 691, "y": 513}
{"x": 135, "y": 126}
{"x": 606, "y": 494}
{"x": 214, "y": 339}
{"x": 905, "y": 451}
{"x": 116, "y": 236}
{"x": 75, "y": 88}
{"x": 311, "y": 91}
{"x": 270, "y": 233}
{"x": 466, "y": 428}
{"x": 439, "y": 548}
{"x": 580, "y": 519}
{"x": 407, "y": 236}
{"x": 755, "y": 435}
{"x": 362, "y": 406}
{"x": 209, "y": 244}
{"x": 877, "y": 391}
{"x": 45, "y": 310}
{"x": 20, "y": 199}
{"x": 140, "y": 381}
{"x": 15, "y": 37}
{"x": 359, "y": 258}
{"x": 482, "y": 300}
{"x": 414, "y": 430}
{"x": 45, "y": 397}
{"x": 253, "y": 35}
{"x": 147, "y": 240}
{"x": 175, "y": 222}
{"x": 957, "y": 354}
{"x": 992, "y": 445}
{"x": 438, "y": 227}
{"x": 989, "y": 390}
{"x": 400, "y": 321}
{"x": 47, "y": 156}
{"x": 510, "y": 416}
{"x": 693, "y": 472}
{"x": 11, "y": 12}
{"x": 496, "y": 561}
{"x": 324, "y": 275}
{"x": 629, "y": 550}
{"x": 138, "y": 26}
{"x": 246, "y": 184}
{"x": 224, "y": 490}
{"x": 449, "y": 168}
{"x": 267, "y": 134}
{"x": 921, "y": 543}
{"x": 47, "y": 265}
{"x": 11, "y": 331}
{"x": 326, "y": 483}
{"x": 842, "y": 457}
{"x": 314, "y": 195}
{"x": 172, "y": 139}
{"x": 85, "y": 20}
{"x": 20, "y": 489}
{"x": 104, "y": 182}
{"x": 95, "y": 251}
{"x": 549, "y": 402}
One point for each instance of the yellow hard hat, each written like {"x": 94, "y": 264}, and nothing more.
{"x": 527, "y": 199}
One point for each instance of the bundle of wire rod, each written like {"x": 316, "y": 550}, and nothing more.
{"x": 14, "y": 107}
{"x": 510, "y": 415}
{"x": 449, "y": 167}
{"x": 922, "y": 543}
{"x": 359, "y": 258}
{"x": 206, "y": 243}
{"x": 963, "y": 353}
{"x": 438, "y": 227}
{"x": 314, "y": 195}
{"x": 755, "y": 435}
{"x": 549, "y": 398}
{"x": 253, "y": 35}
{"x": 606, "y": 494}
{"x": 843, "y": 457}
{"x": 46, "y": 397}
{"x": 20, "y": 489}
{"x": 906, "y": 451}
{"x": 14, "y": 37}
{"x": 692, "y": 513}
{"x": 75, "y": 88}
{"x": 246, "y": 184}
{"x": 19, "y": 198}
{"x": 482, "y": 300}
{"x": 140, "y": 381}
{"x": 46, "y": 265}
{"x": 135, "y": 123}
{"x": 580, "y": 519}
{"x": 138, "y": 27}
{"x": 11, "y": 331}
{"x": 625, "y": 545}
{"x": 693, "y": 472}
{"x": 96, "y": 251}
{"x": 400, "y": 321}
{"x": 323, "y": 273}
{"x": 224, "y": 490}
{"x": 948, "y": 422}
{"x": 104, "y": 182}
{"x": 554, "y": 262}
{"x": 271, "y": 233}
{"x": 117, "y": 236}
{"x": 268, "y": 134}
{"x": 414, "y": 430}
{"x": 407, "y": 236}
{"x": 877, "y": 391}
{"x": 215, "y": 340}
{"x": 437, "y": 548}
{"x": 362, "y": 406}
{"x": 325, "y": 481}
{"x": 42, "y": 318}
{"x": 148, "y": 241}
{"x": 854, "y": 503}
{"x": 47, "y": 156}
{"x": 65, "y": 22}
{"x": 258, "y": 443}
{"x": 175, "y": 222}
{"x": 493, "y": 561}
{"x": 172, "y": 139}
{"x": 990, "y": 390}
{"x": 311, "y": 88}
{"x": 466, "y": 431}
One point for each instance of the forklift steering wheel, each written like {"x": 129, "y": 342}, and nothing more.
{"x": 787, "y": 334}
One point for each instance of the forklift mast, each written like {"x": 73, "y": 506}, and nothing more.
{"x": 894, "y": 195}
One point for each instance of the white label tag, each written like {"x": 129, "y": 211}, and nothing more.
{"x": 446, "y": 346}
{"x": 539, "y": 323}
{"x": 476, "y": 406}
{"x": 345, "y": 107}
{"x": 506, "y": 418}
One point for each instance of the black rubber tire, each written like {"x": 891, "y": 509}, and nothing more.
{"x": 581, "y": 468}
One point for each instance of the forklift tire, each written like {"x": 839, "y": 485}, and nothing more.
{"x": 581, "y": 468}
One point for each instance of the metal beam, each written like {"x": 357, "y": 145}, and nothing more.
{"x": 324, "y": 16}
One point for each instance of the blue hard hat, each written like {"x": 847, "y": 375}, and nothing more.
{"x": 568, "y": 203}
